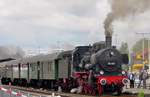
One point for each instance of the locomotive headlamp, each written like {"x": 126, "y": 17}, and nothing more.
{"x": 125, "y": 81}
{"x": 112, "y": 53}
{"x": 101, "y": 72}
{"x": 103, "y": 81}
{"x": 123, "y": 72}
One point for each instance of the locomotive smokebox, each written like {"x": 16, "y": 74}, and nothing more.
{"x": 108, "y": 40}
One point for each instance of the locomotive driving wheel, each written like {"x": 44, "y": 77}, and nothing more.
{"x": 119, "y": 91}
{"x": 100, "y": 89}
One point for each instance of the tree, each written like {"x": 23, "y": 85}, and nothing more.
{"x": 138, "y": 47}
{"x": 141, "y": 52}
{"x": 124, "y": 48}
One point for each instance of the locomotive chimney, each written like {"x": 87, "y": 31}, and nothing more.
{"x": 108, "y": 40}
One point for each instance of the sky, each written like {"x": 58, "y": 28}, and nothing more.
{"x": 43, "y": 26}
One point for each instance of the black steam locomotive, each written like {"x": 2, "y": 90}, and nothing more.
{"x": 95, "y": 68}
{"x": 106, "y": 62}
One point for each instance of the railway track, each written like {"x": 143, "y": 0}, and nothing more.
{"x": 62, "y": 94}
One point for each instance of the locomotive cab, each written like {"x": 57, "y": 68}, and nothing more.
{"x": 77, "y": 55}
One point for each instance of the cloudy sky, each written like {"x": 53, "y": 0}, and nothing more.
{"x": 53, "y": 24}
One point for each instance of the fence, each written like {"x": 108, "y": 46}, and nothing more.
{"x": 9, "y": 93}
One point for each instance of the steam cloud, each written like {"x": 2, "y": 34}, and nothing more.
{"x": 11, "y": 52}
{"x": 123, "y": 8}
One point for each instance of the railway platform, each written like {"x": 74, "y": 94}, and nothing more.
{"x": 136, "y": 91}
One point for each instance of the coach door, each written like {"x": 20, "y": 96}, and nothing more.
{"x": 56, "y": 68}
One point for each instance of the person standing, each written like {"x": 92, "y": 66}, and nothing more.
{"x": 131, "y": 78}
{"x": 145, "y": 76}
{"x": 140, "y": 78}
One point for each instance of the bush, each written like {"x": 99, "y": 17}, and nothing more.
{"x": 141, "y": 93}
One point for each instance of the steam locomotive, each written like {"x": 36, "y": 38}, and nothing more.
{"x": 100, "y": 64}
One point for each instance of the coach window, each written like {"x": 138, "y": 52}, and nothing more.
{"x": 49, "y": 66}
{"x": 33, "y": 66}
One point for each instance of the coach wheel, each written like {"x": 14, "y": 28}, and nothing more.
{"x": 39, "y": 84}
{"x": 31, "y": 83}
{"x": 45, "y": 84}
{"x": 24, "y": 82}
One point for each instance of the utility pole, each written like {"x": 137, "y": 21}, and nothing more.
{"x": 116, "y": 39}
{"x": 143, "y": 47}
{"x": 39, "y": 49}
{"x": 149, "y": 53}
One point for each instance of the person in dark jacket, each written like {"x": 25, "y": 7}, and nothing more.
{"x": 140, "y": 78}
{"x": 131, "y": 78}
{"x": 145, "y": 77}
